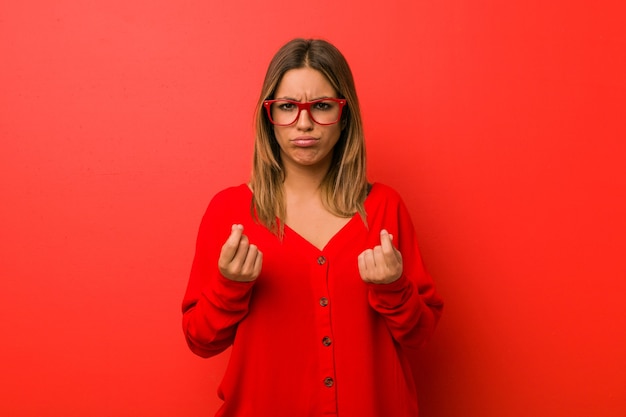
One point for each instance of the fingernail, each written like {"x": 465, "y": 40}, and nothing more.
{"x": 383, "y": 232}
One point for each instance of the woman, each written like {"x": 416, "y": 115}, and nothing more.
{"x": 311, "y": 274}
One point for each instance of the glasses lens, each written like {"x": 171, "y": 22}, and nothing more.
{"x": 325, "y": 111}
{"x": 284, "y": 112}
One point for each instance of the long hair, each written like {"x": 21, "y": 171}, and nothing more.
{"x": 344, "y": 188}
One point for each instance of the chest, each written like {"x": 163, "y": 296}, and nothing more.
{"x": 313, "y": 222}
{"x": 317, "y": 228}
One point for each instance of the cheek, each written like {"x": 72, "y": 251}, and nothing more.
{"x": 279, "y": 134}
{"x": 334, "y": 134}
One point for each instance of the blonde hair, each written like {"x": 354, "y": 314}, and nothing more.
{"x": 344, "y": 188}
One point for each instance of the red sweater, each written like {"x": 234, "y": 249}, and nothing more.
{"x": 309, "y": 337}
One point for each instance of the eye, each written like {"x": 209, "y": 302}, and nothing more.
{"x": 285, "y": 106}
{"x": 323, "y": 105}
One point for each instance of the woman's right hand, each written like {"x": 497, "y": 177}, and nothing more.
{"x": 240, "y": 260}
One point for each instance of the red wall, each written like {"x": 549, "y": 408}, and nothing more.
{"x": 501, "y": 123}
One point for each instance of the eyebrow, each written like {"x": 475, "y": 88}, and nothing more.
{"x": 294, "y": 99}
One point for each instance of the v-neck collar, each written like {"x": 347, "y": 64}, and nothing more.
{"x": 335, "y": 237}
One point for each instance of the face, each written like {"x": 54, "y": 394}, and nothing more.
{"x": 305, "y": 143}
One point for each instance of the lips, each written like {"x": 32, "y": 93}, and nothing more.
{"x": 304, "y": 141}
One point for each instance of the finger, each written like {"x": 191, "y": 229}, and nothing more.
{"x": 379, "y": 257}
{"x": 232, "y": 243}
{"x": 391, "y": 253}
{"x": 362, "y": 265}
{"x": 247, "y": 267}
{"x": 369, "y": 262}
{"x": 385, "y": 241}
{"x": 258, "y": 264}
{"x": 242, "y": 252}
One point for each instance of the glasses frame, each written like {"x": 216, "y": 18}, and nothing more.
{"x": 304, "y": 106}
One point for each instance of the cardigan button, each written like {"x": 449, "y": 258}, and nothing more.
{"x": 323, "y": 301}
{"x": 321, "y": 260}
{"x": 326, "y": 341}
{"x": 328, "y": 381}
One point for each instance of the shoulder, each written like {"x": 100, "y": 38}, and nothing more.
{"x": 232, "y": 195}
{"x": 229, "y": 205}
{"x": 382, "y": 192}
{"x": 385, "y": 201}
{"x": 386, "y": 209}
{"x": 230, "y": 200}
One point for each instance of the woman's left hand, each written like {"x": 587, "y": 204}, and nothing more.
{"x": 383, "y": 264}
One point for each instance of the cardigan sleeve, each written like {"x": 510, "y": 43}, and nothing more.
{"x": 410, "y": 306}
{"x": 213, "y": 305}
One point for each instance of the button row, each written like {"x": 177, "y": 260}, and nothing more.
{"x": 326, "y": 341}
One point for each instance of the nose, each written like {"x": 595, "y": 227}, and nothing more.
{"x": 304, "y": 121}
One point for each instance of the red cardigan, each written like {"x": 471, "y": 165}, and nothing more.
{"x": 309, "y": 337}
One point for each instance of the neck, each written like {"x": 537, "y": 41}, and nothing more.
{"x": 305, "y": 179}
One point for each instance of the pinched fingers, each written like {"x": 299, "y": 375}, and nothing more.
{"x": 231, "y": 246}
{"x": 389, "y": 252}
{"x": 382, "y": 264}
{"x": 239, "y": 260}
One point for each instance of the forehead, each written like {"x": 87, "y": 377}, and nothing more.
{"x": 304, "y": 83}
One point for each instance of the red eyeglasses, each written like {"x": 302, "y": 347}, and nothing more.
{"x": 326, "y": 111}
